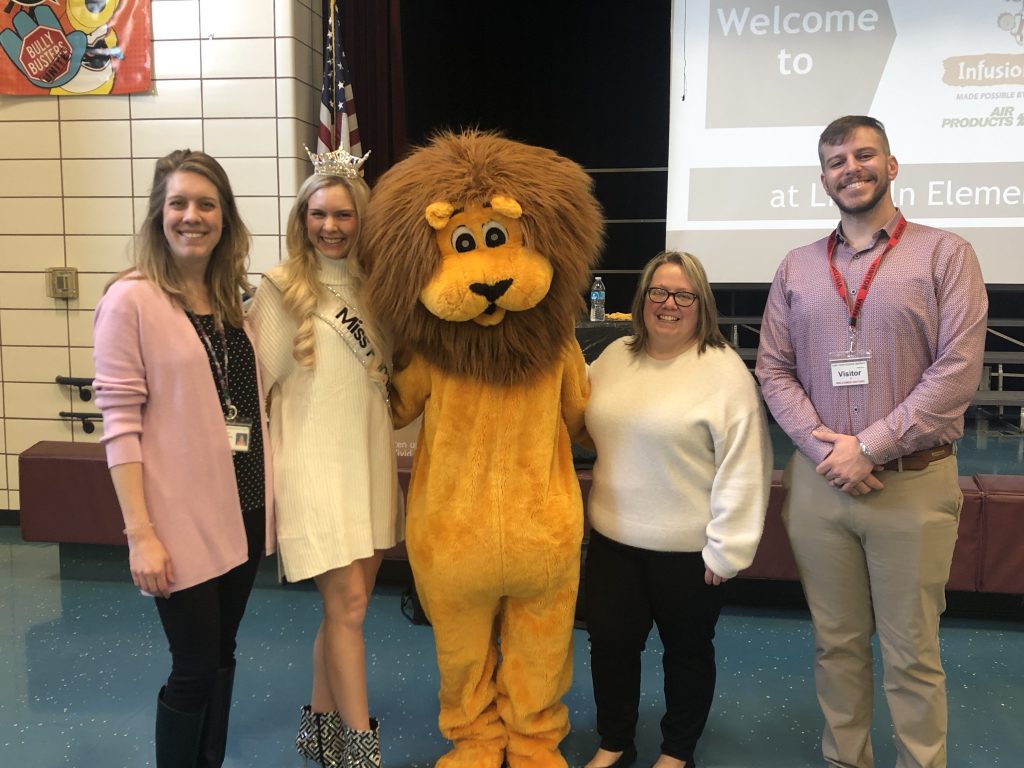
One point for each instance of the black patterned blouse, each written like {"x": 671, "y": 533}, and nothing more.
{"x": 241, "y": 381}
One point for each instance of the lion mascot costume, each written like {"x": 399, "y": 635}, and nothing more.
{"x": 478, "y": 251}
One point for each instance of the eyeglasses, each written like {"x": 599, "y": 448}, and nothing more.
{"x": 681, "y": 298}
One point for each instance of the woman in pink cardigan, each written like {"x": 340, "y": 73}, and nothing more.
{"x": 183, "y": 426}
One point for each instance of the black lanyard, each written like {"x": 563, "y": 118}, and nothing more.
{"x": 220, "y": 372}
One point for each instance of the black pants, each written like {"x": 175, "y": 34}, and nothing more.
{"x": 201, "y": 623}
{"x": 628, "y": 590}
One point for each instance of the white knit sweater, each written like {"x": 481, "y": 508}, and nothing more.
{"x": 330, "y": 431}
{"x": 683, "y": 456}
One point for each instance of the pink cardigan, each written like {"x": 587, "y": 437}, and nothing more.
{"x": 160, "y": 407}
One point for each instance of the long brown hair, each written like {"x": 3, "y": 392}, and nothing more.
{"x": 226, "y": 273}
{"x": 708, "y": 333}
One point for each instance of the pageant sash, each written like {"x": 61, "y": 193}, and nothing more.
{"x": 352, "y": 329}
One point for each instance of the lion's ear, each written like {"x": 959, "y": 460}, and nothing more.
{"x": 506, "y": 206}
{"x": 437, "y": 214}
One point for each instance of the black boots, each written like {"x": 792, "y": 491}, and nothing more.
{"x": 177, "y": 736}
{"x": 195, "y": 739}
{"x": 214, "y": 738}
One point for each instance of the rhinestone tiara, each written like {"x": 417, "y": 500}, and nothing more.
{"x": 336, "y": 163}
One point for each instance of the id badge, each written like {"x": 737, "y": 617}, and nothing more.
{"x": 239, "y": 434}
{"x": 849, "y": 368}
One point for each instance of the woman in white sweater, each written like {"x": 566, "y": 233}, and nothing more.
{"x": 326, "y": 369}
{"x": 676, "y": 508}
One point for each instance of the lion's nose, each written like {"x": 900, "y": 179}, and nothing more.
{"x": 491, "y": 291}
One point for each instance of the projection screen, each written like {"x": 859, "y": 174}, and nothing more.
{"x": 754, "y": 82}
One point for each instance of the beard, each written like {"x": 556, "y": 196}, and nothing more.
{"x": 868, "y": 205}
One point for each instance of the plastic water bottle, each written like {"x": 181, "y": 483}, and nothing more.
{"x": 597, "y": 294}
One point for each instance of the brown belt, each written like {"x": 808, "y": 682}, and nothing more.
{"x": 920, "y": 459}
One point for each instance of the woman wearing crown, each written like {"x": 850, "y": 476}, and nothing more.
{"x": 326, "y": 367}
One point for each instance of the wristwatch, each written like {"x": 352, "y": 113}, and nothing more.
{"x": 867, "y": 454}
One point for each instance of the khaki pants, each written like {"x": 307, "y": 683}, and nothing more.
{"x": 877, "y": 562}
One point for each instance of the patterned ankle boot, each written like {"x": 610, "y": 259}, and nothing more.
{"x": 320, "y": 738}
{"x": 362, "y": 748}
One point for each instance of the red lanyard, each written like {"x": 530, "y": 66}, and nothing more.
{"x": 862, "y": 292}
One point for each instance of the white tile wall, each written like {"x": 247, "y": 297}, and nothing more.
{"x": 252, "y": 57}
{"x": 297, "y": 99}
{"x": 26, "y": 290}
{"x": 156, "y": 138}
{"x": 175, "y": 19}
{"x": 223, "y": 18}
{"x": 37, "y": 364}
{"x": 82, "y": 364}
{"x": 239, "y": 98}
{"x": 30, "y": 215}
{"x": 24, "y": 433}
{"x": 36, "y": 401}
{"x": 293, "y": 135}
{"x": 91, "y": 286}
{"x": 236, "y": 78}
{"x": 95, "y": 138}
{"x": 96, "y": 178}
{"x": 297, "y": 60}
{"x": 170, "y": 98}
{"x": 260, "y": 214}
{"x": 251, "y": 175}
{"x": 98, "y": 253}
{"x": 30, "y": 178}
{"x": 107, "y": 108}
{"x": 27, "y": 108}
{"x": 286, "y": 16}
{"x": 98, "y": 215}
{"x": 80, "y": 327}
{"x": 292, "y": 172}
{"x": 24, "y": 139}
{"x": 176, "y": 60}
{"x": 266, "y": 253}
{"x": 241, "y": 138}
{"x": 34, "y": 328}
{"x": 28, "y": 252}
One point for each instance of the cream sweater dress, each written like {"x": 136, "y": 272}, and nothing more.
{"x": 336, "y": 483}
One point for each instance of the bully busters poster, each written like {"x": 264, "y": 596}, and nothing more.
{"x": 75, "y": 47}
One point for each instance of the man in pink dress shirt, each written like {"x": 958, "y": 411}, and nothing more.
{"x": 871, "y": 346}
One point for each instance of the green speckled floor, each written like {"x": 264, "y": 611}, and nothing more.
{"x": 82, "y": 656}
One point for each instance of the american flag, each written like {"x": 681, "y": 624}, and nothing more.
{"x": 338, "y": 125}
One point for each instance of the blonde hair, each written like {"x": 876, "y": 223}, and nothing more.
{"x": 708, "y": 333}
{"x": 226, "y": 273}
{"x": 300, "y": 285}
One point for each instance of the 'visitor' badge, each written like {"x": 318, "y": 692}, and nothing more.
{"x": 849, "y": 368}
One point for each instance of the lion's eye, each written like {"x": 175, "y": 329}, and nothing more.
{"x": 463, "y": 240}
{"x": 494, "y": 234}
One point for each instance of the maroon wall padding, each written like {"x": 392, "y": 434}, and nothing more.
{"x": 965, "y": 573}
{"x": 774, "y": 557}
{"x": 1002, "y": 535}
{"x": 67, "y": 495}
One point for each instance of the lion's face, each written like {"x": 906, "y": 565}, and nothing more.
{"x": 486, "y": 269}
{"x": 477, "y": 251}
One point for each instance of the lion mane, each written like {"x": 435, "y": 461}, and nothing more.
{"x": 560, "y": 219}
